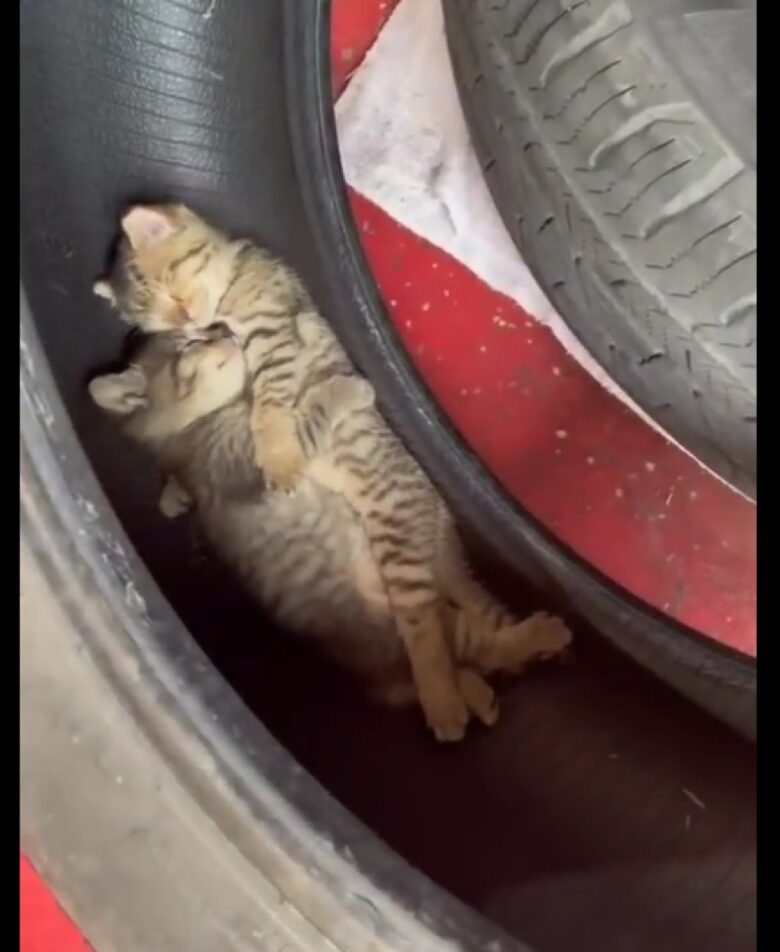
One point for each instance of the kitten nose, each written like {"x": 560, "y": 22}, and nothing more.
{"x": 179, "y": 314}
{"x": 217, "y": 332}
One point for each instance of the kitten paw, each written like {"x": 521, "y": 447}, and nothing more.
{"x": 479, "y": 696}
{"x": 537, "y": 638}
{"x": 550, "y": 635}
{"x": 174, "y": 500}
{"x": 282, "y": 468}
{"x": 447, "y": 715}
{"x": 345, "y": 394}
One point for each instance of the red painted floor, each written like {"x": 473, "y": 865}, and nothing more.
{"x": 44, "y": 926}
{"x": 624, "y": 498}
{"x": 355, "y": 24}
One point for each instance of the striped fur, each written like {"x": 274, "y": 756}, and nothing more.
{"x": 312, "y": 422}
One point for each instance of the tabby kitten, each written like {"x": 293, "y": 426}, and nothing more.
{"x": 304, "y": 555}
{"x": 176, "y": 272}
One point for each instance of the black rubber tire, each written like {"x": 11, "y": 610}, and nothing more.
{"x": 162, "y": 812}
{"x": 618, "y": 140}
{"x": 179, "y": 812}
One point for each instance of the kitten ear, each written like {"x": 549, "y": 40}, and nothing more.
{"x": 148, "y": 225}
{"x": 104, "y": 290}
{"x": 122, "y": 393}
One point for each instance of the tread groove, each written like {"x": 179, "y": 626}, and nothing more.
{"x": 580, "y": 90}
{"x": 536, "y": 42}
{"x": 615, "y": 19}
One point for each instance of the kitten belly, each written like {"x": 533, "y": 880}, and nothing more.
{"x": 324, "y": 479}
{"x": 343, "y": 606}
{"x": 336, "y": 533}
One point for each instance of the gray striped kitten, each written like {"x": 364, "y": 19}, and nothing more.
{"x": 311, "y": 419}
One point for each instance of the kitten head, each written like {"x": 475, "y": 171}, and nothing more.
{"x": 172, "y": 384}
{"x": 170, "y": 269}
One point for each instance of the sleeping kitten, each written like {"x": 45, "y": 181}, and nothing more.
{"x": 304, "y": 555}
{"x": 176, "y": 272}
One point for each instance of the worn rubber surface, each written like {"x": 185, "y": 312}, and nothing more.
{"x": 618, "y": 139}
{"x": 147, "y": 783}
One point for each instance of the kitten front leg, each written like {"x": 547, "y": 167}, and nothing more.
{"x": 278, "y": 450}
{"x": 275, "y": 385}
{"x": 285, "y": 440}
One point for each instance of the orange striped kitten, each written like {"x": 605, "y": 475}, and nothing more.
{"x": 310, "y": 413}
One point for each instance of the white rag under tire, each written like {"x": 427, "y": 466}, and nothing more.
{"x": 618, "y": 141}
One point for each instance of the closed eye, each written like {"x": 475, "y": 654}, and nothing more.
{"x": 187, "y": 343}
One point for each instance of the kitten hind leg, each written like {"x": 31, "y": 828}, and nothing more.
{"x": 419, "y": 615}
{"x": 445, "y": 708}
{"x": 402, "y": 541}
{"x": 327, "y": 404}
{"x": 511, "y": 648}
{"x": 457, "y": 582}
{"x": 480, "y": 698}
{"x": 486, "y": 632}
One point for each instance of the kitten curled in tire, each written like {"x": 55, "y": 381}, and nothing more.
{"x": 308, "y": 413}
